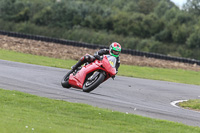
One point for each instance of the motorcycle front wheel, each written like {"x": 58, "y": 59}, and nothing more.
{"x": 93, "y": 81}
{"x": 65, "y": 80}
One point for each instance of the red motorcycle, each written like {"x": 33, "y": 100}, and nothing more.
{"x": 91, "y": 75}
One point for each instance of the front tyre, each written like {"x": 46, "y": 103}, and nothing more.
{"x": 65, "y": 80}
{"x": 93, "y": 81}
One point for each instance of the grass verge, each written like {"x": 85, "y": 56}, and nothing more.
{"x": 20, "y": 113}
{"x": 173, "y": 75}
{"x": 193, "y": 104}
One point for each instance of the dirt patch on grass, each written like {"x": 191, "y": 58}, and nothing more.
{"x": 71, "y": 52}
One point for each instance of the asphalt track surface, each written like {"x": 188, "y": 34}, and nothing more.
{"x": 144, "y": 97}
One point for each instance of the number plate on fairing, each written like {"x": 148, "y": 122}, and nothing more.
{"x": 112, "y": 60}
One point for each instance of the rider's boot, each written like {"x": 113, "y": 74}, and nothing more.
{"x": 78, "y": 64}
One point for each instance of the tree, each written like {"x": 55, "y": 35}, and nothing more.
{"x": 181, "y": 34}
{"x": 43, "y": 17}
{"x": 171, "y": 14}
{"x": 64, "y": 14}
{"x": 192, "y": 6}
{"x": 163, "y": 7}
{"x": 14, "y": 10}
{"x": 6, "y": 8}
{"x": 194, "y": 40}
{"x": 151, "y": 25}
{"x": 146, "y": 6}
{"x": 132, "y": 6}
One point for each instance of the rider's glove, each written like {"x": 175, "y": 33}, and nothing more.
{"x": 97, "y": 56}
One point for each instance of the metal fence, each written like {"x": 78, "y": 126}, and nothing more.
{"x": 94, "y": 46}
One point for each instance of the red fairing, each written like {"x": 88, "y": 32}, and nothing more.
{"x": 77, "y": 80}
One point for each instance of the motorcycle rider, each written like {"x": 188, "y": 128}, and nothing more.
{"x": 114, "y": 50}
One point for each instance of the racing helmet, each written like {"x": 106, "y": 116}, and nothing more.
{"x": 115, "y": 49}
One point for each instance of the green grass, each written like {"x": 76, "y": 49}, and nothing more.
{"x": 25, "y": 113}
{"x": 34, "y": 59}
{"x": 193, "y": 104}
{"x": 173, "y": 75}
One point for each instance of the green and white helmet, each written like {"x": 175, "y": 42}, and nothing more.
{"x": 115, "y": 49}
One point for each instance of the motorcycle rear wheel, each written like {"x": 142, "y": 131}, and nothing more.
{"x": 96, "y": 79}
{"x": 65, "y": 80}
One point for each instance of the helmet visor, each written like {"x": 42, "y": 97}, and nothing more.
{"x": 115, "y": 52}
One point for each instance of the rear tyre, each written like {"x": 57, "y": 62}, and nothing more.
{"x": 93, "y": 81}
{"x": 65, "y": 80}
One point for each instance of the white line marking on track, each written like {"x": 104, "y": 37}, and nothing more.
{"x": 175, "y": 102}
{"x": 179, "y": 101}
